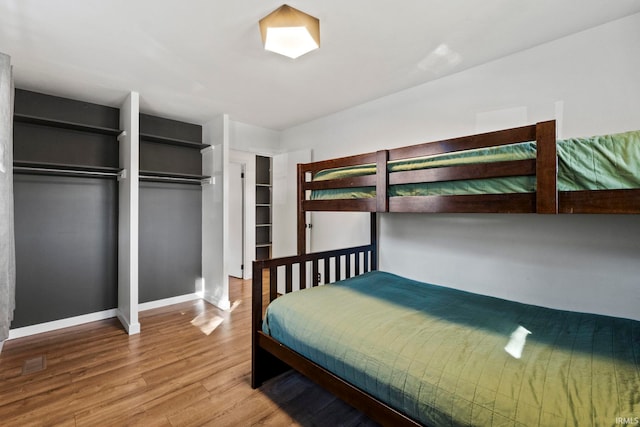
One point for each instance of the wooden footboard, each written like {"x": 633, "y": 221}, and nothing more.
{"x": 298, "y": 272}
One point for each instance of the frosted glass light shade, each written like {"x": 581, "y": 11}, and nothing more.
{"x": 290, "y": 32}
{"x": 290, "y": 41}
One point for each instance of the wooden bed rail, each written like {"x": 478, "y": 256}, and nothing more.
{"x": 355, "y": 260}
{"x": 336, "y": 265}
{"x": 544, "y": 168}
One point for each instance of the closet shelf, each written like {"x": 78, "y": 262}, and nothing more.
{"x": 263, "y": 185}
{"x": 172, "y": 141}
{"x": 263, "y": 245}
{"x": 264, "y": 225}
{"x": 185, "y": 178}
{"x": 62, "y": 169}
{"x": 172, "y": 175}
{"x": 41, "y": 121}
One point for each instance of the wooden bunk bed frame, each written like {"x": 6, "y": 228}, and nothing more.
{"x": 270, "y": 358}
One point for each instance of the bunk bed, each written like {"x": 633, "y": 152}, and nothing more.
{"x": 411, "y": 353}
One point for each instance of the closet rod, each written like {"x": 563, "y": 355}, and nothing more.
{"x": 157, "y": 178}
{"x": 64, "y": 172}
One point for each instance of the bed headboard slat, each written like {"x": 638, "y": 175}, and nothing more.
{"x": 473, "y": 171}
{"x": 483, "y": 140}
{"x": 355, "y": 181}
{"x": 359, "y": 159}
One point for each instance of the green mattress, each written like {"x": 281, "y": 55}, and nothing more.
{"x": 447, "y": 357}
{"x": 595, "y": 163}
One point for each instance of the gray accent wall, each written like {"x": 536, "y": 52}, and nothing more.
{"x": 67, "y": 226}
{"x": 170, "y": 240}
{"x": 66, "y": 247}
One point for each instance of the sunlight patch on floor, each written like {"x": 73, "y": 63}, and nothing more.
{"x": 235, "y": 304}
{"x": 207, "y": 322}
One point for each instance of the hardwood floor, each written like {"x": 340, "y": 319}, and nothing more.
{"x": 190, "y": 366}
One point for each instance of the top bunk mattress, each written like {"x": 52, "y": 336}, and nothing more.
{"x": 448, "y": 357}
{"x": 607, "y": 162}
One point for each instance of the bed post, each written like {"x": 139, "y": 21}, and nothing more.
{"x": 256, "y": 322}
{"x": 546, "y": 168}
{"x": 374, "y": 241}
{"x": 264, "y": 365}
{"x": 302, "y": 218}
{"x": 382, "y": 201}
{"x": 382, "y": 181}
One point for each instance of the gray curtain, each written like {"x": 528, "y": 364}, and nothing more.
{"x": 7, "y": 237}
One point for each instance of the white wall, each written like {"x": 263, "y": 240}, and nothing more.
{"x": 215, "y": 212}
{"x": 128, "y": 216}
{"x": 253, "y": 139}
{"x": 284, "y": 211}
{"x": 589, "y": 83}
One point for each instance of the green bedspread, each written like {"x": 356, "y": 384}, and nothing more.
{"x": 595, "y": 163}
{"x": 440, "y": 355}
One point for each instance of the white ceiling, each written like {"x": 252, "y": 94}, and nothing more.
{"x": 195, "y": 59}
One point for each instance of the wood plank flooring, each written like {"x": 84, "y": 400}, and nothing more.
{"x": 190, "y": 366}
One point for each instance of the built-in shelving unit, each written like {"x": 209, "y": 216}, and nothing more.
{"x": 170, "y": 151}
{"x": 263, "y": 207}
{"x": 75, "y": 223}
{"x": 170, "y": 226}
{"x": 61, "y": 137}
{"x": 66, "y": 161}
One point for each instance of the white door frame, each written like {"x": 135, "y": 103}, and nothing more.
{"x": 237, "y": 228}
{"x": 249, "y": 223}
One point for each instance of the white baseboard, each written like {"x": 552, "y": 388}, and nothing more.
{"x": 131, "y": 328}
{"x": 168, "y": 301}
{"x": 223, "y": 304}
{"x": 60, "y": 324}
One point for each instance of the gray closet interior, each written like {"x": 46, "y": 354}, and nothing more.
{"x": 66, "y": 207}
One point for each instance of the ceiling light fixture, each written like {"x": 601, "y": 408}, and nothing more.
{"x": 290, "y": 32}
